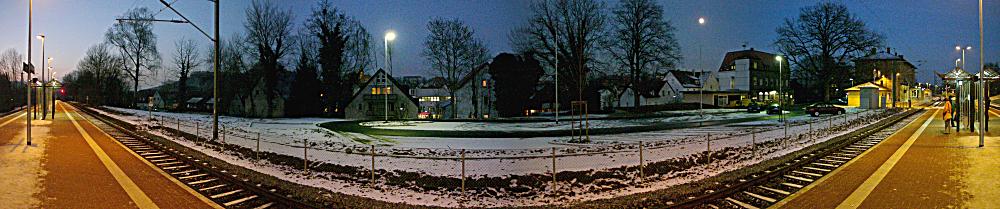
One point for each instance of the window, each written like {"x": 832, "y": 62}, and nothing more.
{"x": 754, "y": 65}
{"x": 484, "y": 83}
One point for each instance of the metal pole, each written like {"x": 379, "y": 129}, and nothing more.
{"x": 553, "y": 168}
{"x": 215, "y": 76}
{"x": 385, "y": 81}
{"x": 41, "y": 77}
{"x": 708, "y": 139}
{"x": 556, "y": 52}
{"x": 257, "y": 153}
{"x": 463, "y": 172}
{"x": 982, "y": 96}
{"x": 305, "y": 155}
{"x": 641, "y": 162}
{"x": 27, "y": 109}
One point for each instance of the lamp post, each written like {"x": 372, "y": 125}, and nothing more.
{"x": 982, "y": 87}
{"x": 959, "y": 48}
{"x": 42, "y": 77}
{"x": 389, "y": 37}
{"x": 46, "y": 77}
{"x": 701, "y": 79}
{"x": 27, "y": 109}
{"x": 781, "y": 92}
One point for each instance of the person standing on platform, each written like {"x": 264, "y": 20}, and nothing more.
{"x": 947, "y": 115}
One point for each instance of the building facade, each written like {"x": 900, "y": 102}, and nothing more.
{"x": 474, "y": 95}
{"x": 381, "y": 98}
{"x": 751, "y": 75}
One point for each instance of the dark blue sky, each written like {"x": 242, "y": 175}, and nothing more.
{"x": 922, "y": 30}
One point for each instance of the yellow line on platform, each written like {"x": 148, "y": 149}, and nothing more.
{"x": 133, "y": 191}
{"x": 11, "y": 120}
{"x": 164, "y": 174}
{"x": 861, "y": 193}
{"x": 823, "y": 179}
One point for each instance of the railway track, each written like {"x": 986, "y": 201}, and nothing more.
{"x": 763, "y": 189}
{"x": 226, "y": 189}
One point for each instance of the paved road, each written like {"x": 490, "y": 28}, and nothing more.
{"x": 72, "y": 164}
{"x": 920, "y": 166}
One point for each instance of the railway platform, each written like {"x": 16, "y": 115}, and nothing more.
{"x": 920, "y": 166}
{"x": 73, "y": 164}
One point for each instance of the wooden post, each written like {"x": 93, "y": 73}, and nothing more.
{"x": 463, "y": 172}
{"x": 373, "y": 165}
{"x": 641, "y": 163}
{"x": 305, "y": 155}
{"x": 553, "y": 168}
{"x": 708, "y": 140}
{"x": 178, "y": 130}
{"x": 257, "y": 153}
{"x": 753, "y": 141}
{"x": 197, "y": 133}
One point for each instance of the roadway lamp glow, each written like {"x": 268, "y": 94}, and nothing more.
{"x": 390, "y": 36}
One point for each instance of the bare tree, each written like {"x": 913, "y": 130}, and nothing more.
{"x": 186, "y": 59}
{"x": 643, "y": 40}
{"x": 137, "y": 44}
{"x": 453, "y": 51}
{"x": 12, "y": 61}
{"x": 821, "y": 39}
{"x": 571, "y": 30}
{"x": 269, "y": 30}
{"x": 344, "y": 51}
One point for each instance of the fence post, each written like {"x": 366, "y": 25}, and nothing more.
{"x": 811, "y": 135}
{"x": 831, "y": 123}
{"x": 463, "y": 172}
{"x": 373, "y": 165}
{"x": 178, "y": 130}
{"x": 753, "y": 141}
{"x": 197, "y": 132}
{"x": 553, "y": 169}
{"x": 257, "y": 153}
{"x": 641, "y": 163}
{"x": 222, "y": 131}
{"x": 708, "y": 139}
{"x": 305, "y": 155}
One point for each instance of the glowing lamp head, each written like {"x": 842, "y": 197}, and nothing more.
{"x": 40, "y": 36}
{"x": 390, "y": 36}
{"x": 778, "y": 58}
{"x": 701, "y": 20}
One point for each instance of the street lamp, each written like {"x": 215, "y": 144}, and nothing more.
{"x": 781, "y": 94}
{"x": 701, "y": 79}
{"x": 27, "y": 99}
{"x": 959, "y": 48}
{"x": 389, "y": 37}
{"x": 42, "y": 77}
{"x": 982, "y": 87}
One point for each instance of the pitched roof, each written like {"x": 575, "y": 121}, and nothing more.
{"x": 472, "y": 74}
{"x": 869, "y": 84}
{"x": 884, "y": 56}
{"x": 744, "y": 54}
{"x": 688, "y": 79}
{"x": 394, "y": 83}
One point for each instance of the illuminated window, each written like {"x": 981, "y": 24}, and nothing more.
{"x": 484, "y": 83}
{"x": 374, "y": 90}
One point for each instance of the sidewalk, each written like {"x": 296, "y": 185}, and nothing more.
{"x": 75, "y": 165}
{"x": 918, "y": 167}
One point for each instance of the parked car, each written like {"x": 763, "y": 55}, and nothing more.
{"x": 824, "y": 108}
{"x": 773, "y": 109}
{"x": 754, "y": 108}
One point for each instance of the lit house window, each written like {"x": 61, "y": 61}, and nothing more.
{"x": 484, "y": 83}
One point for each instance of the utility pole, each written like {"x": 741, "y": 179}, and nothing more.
{"x": 982, "y": 87}
{"x": 215, "y": 76}
{"x": 30, "y": 68}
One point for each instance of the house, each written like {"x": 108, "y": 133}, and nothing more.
{"x": 869, "y": 95}
{"x": 381, "y": 98}
{"x": 197, "y": 104}
{"x": 750, "y": 75}
{"x": 431, "y": 102}
{"x": 893, "y": 66}
{"x": 474, "y": 95}
{"x": 651, "y": 92}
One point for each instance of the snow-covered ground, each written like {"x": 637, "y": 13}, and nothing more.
{"x": 505, "y": 157}
{"x": 683, "y": 116}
